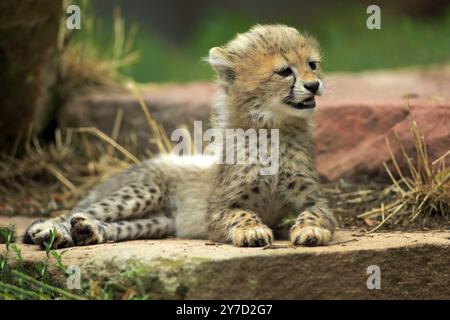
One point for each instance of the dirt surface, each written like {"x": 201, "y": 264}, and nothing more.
{"x": 349, "y": 198}
{"x": 199, "y": 269}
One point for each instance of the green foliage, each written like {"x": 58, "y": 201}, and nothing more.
{"x": 19, "y": 280}
{"x": 116, "y": 49}
{"x": 346, "y": 42}
{"x": 7, "y": 235}
{"x": 16, "y": 284}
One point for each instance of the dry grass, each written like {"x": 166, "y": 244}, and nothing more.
{"x": 422, "y": 192}
{"x": 48, "y": 180}
{"x": 86, "y": 62}
{"x": 158, "y": 134}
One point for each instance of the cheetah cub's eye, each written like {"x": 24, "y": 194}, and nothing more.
{"x": 285, "y": 72}
{"x": 312, "y": 65}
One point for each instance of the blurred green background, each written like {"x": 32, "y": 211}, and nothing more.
{"x": 174, "y": 35}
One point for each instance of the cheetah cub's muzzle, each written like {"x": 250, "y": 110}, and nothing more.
{"x": 306, "y": 95}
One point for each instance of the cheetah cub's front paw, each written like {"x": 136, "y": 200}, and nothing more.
{"x": 310, "y": 235}
{"x": 84, "y": 231}
{"x": 257, "y": 235}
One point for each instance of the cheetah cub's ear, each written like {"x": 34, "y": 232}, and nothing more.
{"x": 220, "y": 60}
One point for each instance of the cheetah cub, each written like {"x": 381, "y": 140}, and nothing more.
{"x": 267, "y": 78}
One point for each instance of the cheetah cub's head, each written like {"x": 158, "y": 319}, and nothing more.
{"x": 270, "y": 72}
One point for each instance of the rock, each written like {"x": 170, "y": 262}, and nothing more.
{"x": 353, "y": 118}
{"x": 362, "y": 110}
{"x": 28, "y": 44}
{"x": 351, "y": 139}
{"x": 197, "y": 269}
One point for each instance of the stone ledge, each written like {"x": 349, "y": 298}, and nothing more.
{"x": 413, "y": 265}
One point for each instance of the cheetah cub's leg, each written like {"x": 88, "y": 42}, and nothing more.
{"x": 243, "y": 228}
{"x": 87, "y": 231}
{"x": 130, "y": 202}
{"x": 81, "y": 227}
{"x": 314, "y": 227}
{"x": 315, "y": 223}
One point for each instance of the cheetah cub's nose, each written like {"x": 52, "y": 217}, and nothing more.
{"x": 312, "y": 86}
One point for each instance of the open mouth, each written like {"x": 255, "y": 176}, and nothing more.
{"x": 309, "y": 103}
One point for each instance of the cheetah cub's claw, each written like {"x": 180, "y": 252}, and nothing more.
{"x": 310, "y": 236}
{"x": 252, "y": 236}
{"x": 84, "y": 231}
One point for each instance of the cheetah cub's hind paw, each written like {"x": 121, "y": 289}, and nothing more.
{"x": 84, "y": 230}
{"x": 39, "y": 232}
{"x": 252, "y": 236}
{"x": 310, "y": 236}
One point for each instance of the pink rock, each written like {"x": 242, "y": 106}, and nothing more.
{"x": 364, "y": 109}
{"x": 350, "y": 139}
